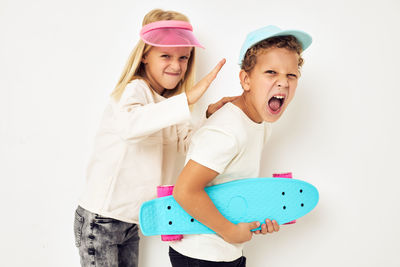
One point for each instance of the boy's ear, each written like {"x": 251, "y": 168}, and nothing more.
{"x": 244, "y": 80}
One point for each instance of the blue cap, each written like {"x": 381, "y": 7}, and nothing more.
{"x": 271, "y": 31}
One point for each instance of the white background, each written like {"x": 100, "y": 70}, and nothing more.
{"x": 59, "y": 61}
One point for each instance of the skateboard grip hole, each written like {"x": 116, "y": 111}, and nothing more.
{"x": 169, "y": 207}
{"x": 192, "y": 220}
{"x": 302, "y": 204}
{"x": 284, "y": 207}
{"x": 170, "y": 223}
{"x": 301, "y": 190}
{"x": 283, "y": 193}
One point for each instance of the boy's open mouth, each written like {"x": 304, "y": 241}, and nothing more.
{"x": 276, "y": 102}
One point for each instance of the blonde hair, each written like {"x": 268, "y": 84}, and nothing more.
{"x": 134, "y": 69}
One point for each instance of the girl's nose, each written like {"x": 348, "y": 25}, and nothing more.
{"x": 175, "y": 65}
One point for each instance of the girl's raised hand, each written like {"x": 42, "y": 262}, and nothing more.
{"x": 194, "y": 94}
{"x": 214, "y": 107}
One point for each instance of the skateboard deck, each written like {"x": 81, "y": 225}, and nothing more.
{"x": 245, "y": 200}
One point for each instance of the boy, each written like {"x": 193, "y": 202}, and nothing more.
{"x": 229, "y": 145}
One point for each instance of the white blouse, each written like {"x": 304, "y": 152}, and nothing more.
{"x": 135, "y": 151}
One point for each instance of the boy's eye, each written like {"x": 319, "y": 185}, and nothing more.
{"x": 165, "y": 56}
{"x": 270, "y": 72}
{"x": 292, "y": 76}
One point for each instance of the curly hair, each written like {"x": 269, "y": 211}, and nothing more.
{"x": 288, "y": 41}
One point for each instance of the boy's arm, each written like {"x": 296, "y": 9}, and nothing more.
{"x": 189, "y": 193}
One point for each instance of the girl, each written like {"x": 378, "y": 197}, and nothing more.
{"x": 142, "y": 129}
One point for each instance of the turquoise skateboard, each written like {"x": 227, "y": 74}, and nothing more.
{"x": 245, "y": 200}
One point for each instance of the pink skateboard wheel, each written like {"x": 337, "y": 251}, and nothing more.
{"x": 163, "y": 191}
{"x": 284, "y": 175}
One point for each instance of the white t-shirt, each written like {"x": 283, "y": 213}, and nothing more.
{"x": 135, "y": 150}
{"x": 230, "y": 144}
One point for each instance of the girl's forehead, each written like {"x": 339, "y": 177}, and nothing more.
{"x": 173, "y": 50}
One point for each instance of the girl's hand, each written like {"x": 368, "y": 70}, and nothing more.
{"x": 268, "y": 227}
{"x": 240, "y": 232}
{"x": 198, "y": 90}
{"x": 214, "y": 107}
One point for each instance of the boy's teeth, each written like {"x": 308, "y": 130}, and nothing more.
{"x": 279, "y": 97}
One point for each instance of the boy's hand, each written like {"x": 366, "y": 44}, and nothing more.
{"x": 214, "y": 107}
{"x": 199, "y": 88}
{"x": 268, "y": 227}
{"x": 240, "y": 232}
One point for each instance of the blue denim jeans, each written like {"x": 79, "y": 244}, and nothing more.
{"x": 105, "y": 241}
{"x": 179, "y": 260}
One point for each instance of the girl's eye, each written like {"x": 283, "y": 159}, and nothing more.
{"x": 165, "y": 56}
{"x": 184, "y": 58}
{"x": 292, "y": 76}
{"x": 270, "y": 72}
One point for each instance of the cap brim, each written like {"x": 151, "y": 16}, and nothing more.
{"x": 170, "y": 37}
{"x": 272, "y": 31}
{"x": 304, "y": 38}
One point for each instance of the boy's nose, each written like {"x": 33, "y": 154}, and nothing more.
{"x": 282, "y": 81}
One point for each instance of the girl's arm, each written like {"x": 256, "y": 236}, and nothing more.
{"x": 189, "y": 193}
{"x": 136, "y": 117}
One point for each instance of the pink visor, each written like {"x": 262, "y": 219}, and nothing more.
{"x": 169, "y": 33}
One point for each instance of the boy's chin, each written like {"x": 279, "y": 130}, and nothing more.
{"x": 270, "y": 120}
{"x": 273, "y": 117}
